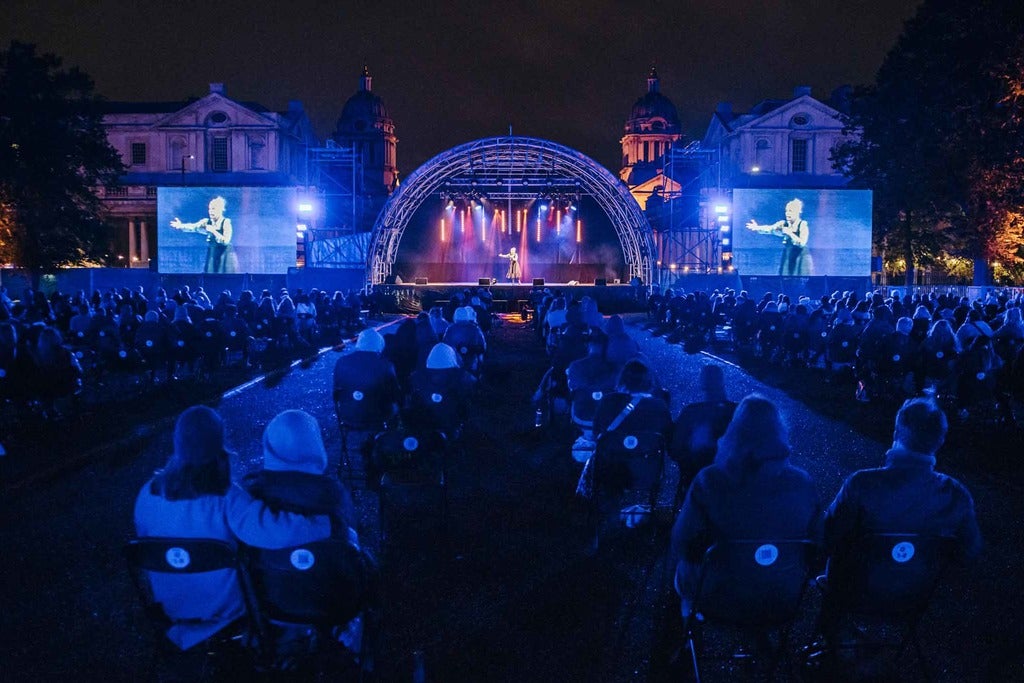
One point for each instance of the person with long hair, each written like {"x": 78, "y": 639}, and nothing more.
{"x": 193, "y": 497}
{"x": 750, "y": 491}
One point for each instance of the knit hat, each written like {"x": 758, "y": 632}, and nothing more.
{"x": 370, "y": 340}
{"x": 465, "y": 314}
{"x": 292, "y": 443}
{"x": 442, "y": 357}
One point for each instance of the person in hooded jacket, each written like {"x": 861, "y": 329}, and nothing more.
{"x": 193, "y": 497}
{"x": 751, "y": 491}
{"x": 440, "y": 393}
{"x": 294, "y": 479}
{"x": 365, "y": 374}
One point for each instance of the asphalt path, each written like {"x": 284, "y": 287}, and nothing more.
{"x": 513, "y": 595}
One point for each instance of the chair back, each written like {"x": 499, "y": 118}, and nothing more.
{"x": 888, "y": 575}
{"x": 633, "y": 460}
{"x": 164, "y": 571}
{"x": 754, "y": 582}
{"x": 584, "y": 405}
{"x": 321, "y": 583}
{"x": 399, "y": 451}
{"x": 362, "y": 407}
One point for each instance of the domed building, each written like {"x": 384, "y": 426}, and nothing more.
{"x": 653, "y": 125}
{"x": 366, "y": 127}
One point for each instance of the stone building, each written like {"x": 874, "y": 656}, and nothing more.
{"x": 210, "y": 141}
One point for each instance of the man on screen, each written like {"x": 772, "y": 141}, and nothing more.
{"x": 796, "y": 260}
{"x": 218, "y": 231}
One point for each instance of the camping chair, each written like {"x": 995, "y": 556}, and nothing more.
{"x": 360, "y": 409}
{"x": 411, "y": 465}
{"x": 178, "y": 595}
{"x": 753, "y": 585}
{"x": 625, "y": 462}
{"x": 889, "y": 577}
{"x": 304, "y": 598}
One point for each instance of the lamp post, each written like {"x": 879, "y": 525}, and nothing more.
{"x": 184, "y": 157}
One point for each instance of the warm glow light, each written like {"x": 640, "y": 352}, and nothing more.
{"x": 462, "y": 222}
{"x": 579, "y": 231}
{"x": 538, "y": 227}
{"x": 442, "y": 230}
{"x": 558, "y": 222}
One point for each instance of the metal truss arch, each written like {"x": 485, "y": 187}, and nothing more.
{"x": 521, "y": 164}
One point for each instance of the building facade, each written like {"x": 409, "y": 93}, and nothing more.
{"x": 210, "y": 141}
{"x": 778, "y": 143}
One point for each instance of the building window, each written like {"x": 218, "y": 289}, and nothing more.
{"x": 138, "y": 154}
{"x": 762, "y": 153}
{"x": 799, "y": 158}
{"x": 647, "y": 151}
{"x": 257, "y": 146}
{"x": 219, "y": 155}
{"x": 116, "y": 191}
{"x": 800, "y": 120}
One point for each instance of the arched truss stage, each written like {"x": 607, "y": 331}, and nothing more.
{"x": 513, "y": 168}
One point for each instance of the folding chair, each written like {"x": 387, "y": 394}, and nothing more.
{"x": 890, "y": 577}
{"x": 753, "y": 585}
{"x": 304, "y": 596}
{"x": 173, "y": 581}
{"x": 360, "y": 409}
{"x": 409, "y": 464}
{"x": 626, "y": 462}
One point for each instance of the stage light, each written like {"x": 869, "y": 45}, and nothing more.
{"x": 476, "y": 207}
{"x": 306, "y": 207}
{"x": 543, "y": 207}
{"x": 301, "y": 227}
{"x": 755, "y": 169}
{"x": 725, "y": 241}
{"x": 723, "y": 219}
{"x": 721, "y": 208}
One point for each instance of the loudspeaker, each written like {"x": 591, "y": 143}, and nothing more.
{"x": 484, "y": 281}
{"x": 601, "y": 282}
{"x": 538, "y": 282}
{"x": 421, "y": 280}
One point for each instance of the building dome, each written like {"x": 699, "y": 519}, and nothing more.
{"x": 653, "y": 112}
{"x": 364, "y": 111}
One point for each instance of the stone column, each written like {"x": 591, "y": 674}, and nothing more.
{"x": 143, "y": 246}
{"x": 131, "y": 242}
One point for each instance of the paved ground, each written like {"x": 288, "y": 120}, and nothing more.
{"x": 514, "y": 597}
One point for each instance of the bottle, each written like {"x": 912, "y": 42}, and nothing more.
{"x": 419, "y": 667}
{"x": 538, "y": 419}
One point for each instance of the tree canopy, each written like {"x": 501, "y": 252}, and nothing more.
{"x": 942, "y": 135}
{"x": 53, "y": 154}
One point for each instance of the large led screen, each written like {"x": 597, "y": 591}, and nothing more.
{"x": 802, "y": 232}
{"x": 225, "y": 229}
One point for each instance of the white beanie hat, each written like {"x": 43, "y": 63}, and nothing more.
{"x": 370, "y": 340}
{"x": 465, "y": 314}
{"x": 292, "y": 443}
{"x": 442, "y": 357}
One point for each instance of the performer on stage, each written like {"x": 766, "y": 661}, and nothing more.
{"x": 514, "y": 274}
{"x": 794, "y": 232}
{"x": 218, "y": 230}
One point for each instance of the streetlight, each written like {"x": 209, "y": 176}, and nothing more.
{"x": 184, "y": 157}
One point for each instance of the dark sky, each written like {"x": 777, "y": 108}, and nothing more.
{"x": 455, "y": 71}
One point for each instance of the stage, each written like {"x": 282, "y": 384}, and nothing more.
{"x": 511, "y": 298}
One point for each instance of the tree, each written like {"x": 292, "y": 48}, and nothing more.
{"x": 941, "y": 136}
{"x": 53, "y": 154}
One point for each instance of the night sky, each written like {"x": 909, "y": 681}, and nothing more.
{"x": 455, "y": 71}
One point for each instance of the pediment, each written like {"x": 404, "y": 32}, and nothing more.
{"x": 199, "y": 113}
{"x": 820, "y": 115}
